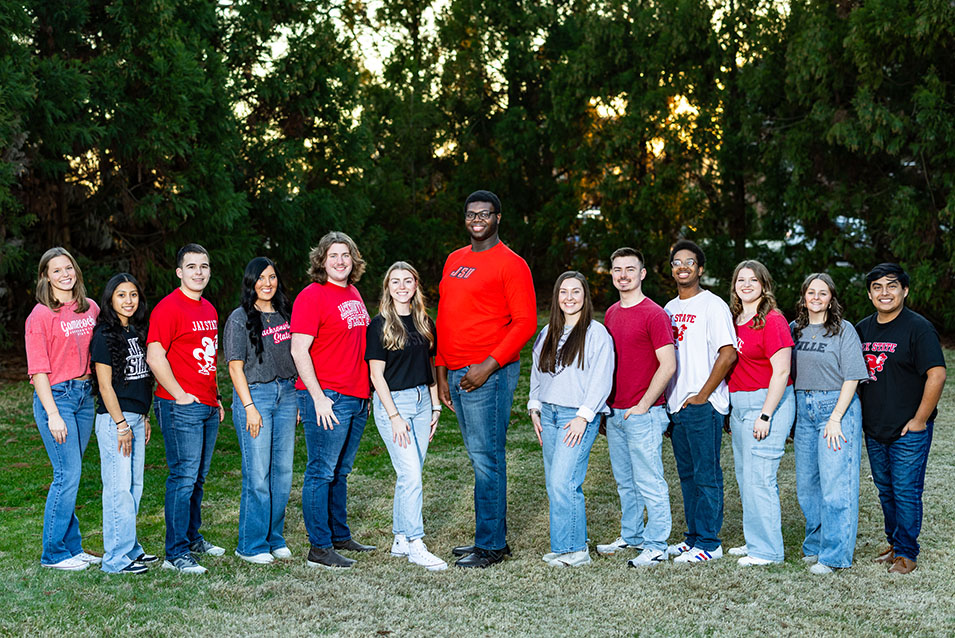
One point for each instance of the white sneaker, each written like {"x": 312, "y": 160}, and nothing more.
{"x": 73, "y": 564}
{"x": 89, "y": 558}
{"x": 742, "y": 550}
{"x": 282, "y": 553}
{"x": 572, "y": 559}
{"x": 812, "y": 558}
{"x": 419, "y": 555}
{"x": 612, "y": 548}
{"x": 184, "y": 565}
{"x": 752, "y": 561}
{"x": 205, "y": 547}
{"x": 820, "y": 569}
{"x": 697, "y": 555}
{"x": 648, "y": 558}
{"x": 678, "y": 549}
{"x": 258, "y": 559}
{"x": 400, "y": 546}
{"x": 549, "y": 556}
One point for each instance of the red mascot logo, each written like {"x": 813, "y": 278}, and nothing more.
{"x": 875, "y": 363}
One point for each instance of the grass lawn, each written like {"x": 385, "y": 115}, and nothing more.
{"x": 385, "y": 596}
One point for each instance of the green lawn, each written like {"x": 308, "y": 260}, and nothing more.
{"x": 384, "y": 596}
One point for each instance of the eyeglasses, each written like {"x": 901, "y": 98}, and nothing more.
{"x": 482, "y": 215}
{"x": 689, "y": 263}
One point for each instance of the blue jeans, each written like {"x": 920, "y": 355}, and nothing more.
{"x": 898, "y": 471}
{"x": 414, "y": 406}
{"x": 189, "y": 433}
{"x": 331, "y": 455}
{"x": 266, "y": 465}
{"x": 564, "y": 471}
{"x": 61, "y": 528}
{"x": 697, "y": 435}
{"x": 756, "y": 465}
{"x": 827, "y": 480}
{"x": 122, "y": 489}
{"x": 636, "y": 446}
{"x": 483, "y": 416}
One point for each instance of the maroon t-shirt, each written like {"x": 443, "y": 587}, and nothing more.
{"x": 638, "y": 332}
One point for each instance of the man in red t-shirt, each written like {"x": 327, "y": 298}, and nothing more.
{"x": 643, "y": 344}
{"x": 181, "y": 351}
{"x": 486, "y": 313}
{"x": 328, "y": 346}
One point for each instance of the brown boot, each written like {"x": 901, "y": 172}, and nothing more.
{"x": 887, "y": 555}
{"x": 902, "y": 565}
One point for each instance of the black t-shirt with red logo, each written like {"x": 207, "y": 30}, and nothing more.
{"x": 898, "y": 354}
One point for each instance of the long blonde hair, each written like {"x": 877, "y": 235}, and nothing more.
{"x": 767, "y": 300}
{"x": 44, "y": 289}
{"x": 394, "y": 336}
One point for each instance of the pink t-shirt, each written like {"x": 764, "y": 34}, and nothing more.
{"x": 188, "y": 329}
{"x": 638, "y": 332}
{"x": 58, "y": 341}
{"x": 753, "y": 369}
{"x": 337, "y": 318}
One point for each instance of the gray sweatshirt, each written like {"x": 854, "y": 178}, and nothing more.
{"x": 586, "y": 389}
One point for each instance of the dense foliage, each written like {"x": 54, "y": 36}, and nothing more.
{"x": 811, "y": 135}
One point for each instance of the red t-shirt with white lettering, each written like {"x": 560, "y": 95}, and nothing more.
{"x": 638, "y": 332}
{"x": 337, "y": 318}
{"x": 188, "y": 329}
{"x": 753, "y": 370}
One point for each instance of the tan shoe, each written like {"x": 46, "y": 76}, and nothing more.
{"x": 887, "y": 555}
{"x": 902, "y": 565}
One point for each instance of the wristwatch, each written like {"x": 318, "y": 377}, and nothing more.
{"x": 764, "y": 417}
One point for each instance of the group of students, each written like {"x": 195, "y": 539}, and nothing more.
{"x": 647, "y": 373}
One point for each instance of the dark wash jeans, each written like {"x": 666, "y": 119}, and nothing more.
{"x": 483, "y": 416}
{"x": 697, "y": 436}
{"x": 331, "y": 455}
{"x": 189, "y": 433}
{"x": 898, "y": 471}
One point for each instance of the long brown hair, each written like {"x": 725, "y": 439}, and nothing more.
{"x": 318, "y": 254}
{"x": 393, "y": 334}
{"x": 767, "y": 300}
{"x": 44, "y": 289}
{"x": 833, "y": 322}
{"x": 574, "y": 347}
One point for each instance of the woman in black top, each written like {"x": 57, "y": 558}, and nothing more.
{"x": 118, "y": 353}
{"x": 400, "y": 347}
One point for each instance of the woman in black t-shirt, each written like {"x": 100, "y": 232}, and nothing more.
{"x": 400, "y": 346}
{"x": 118, "y": 353}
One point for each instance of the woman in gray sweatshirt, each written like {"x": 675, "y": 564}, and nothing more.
{"x": 571, "y": 377}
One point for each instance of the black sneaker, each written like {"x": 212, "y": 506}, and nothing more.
{"x": 328, "y": 558}
{"x": 352, "y": 545}
{"x": 146, "y": 559}
{"x": 134, "y": 568}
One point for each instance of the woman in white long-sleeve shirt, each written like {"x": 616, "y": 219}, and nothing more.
{"x": 571, "y": 379}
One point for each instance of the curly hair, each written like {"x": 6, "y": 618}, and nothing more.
{"x": 767, "y": 300}
{"x": 317, "y": 256}
{"x": 833, "y": 320}
{"x": 109, "y": 324}
{"x": 280, "y": 302}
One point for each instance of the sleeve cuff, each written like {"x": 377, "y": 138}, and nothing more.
{"x": 586, "y": 413}
{"x": 533, "y": 404}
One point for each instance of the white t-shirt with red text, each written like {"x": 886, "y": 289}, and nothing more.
{"x": 701, "y": 326}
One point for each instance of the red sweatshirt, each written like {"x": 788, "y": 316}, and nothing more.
{"x": 487, "y": 307}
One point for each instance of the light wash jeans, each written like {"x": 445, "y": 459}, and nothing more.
{"x": 483, "y": 416}
{"x": 414, "y": 406}
{"x": 827, "y": 480}
{"x": 565, "y": 468}
{"x": 122, "y": 489}
{"x": 635, "y": 446}
{"x": 61, "y": 528}
{"x": 266, "y": 465}
{"x": 756, "y": 465}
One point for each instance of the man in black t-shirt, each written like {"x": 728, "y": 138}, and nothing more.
{"x": 906, "y": 377}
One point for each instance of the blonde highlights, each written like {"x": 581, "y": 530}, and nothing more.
{"x": 393, "y": 334}
{"x": 767, "y": 300}
{"x": 44, "y": 289}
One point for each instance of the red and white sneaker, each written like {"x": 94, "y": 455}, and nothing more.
{"x": 697, "y": 555}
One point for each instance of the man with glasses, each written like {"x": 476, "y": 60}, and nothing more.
{"x": 899, "y": 406}
{"x": 698, "y": 400}
{"x": 486, "y": 313}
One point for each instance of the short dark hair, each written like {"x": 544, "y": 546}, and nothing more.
{"x": 626, "y": 251}
{"x": 189, "y": 248}
{"x": 887, "y": 269}
{"x": 484, "y": 196}
{"x": 686, "y": 244}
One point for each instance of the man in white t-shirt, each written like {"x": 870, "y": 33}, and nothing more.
{"x": 698, "y": 400}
